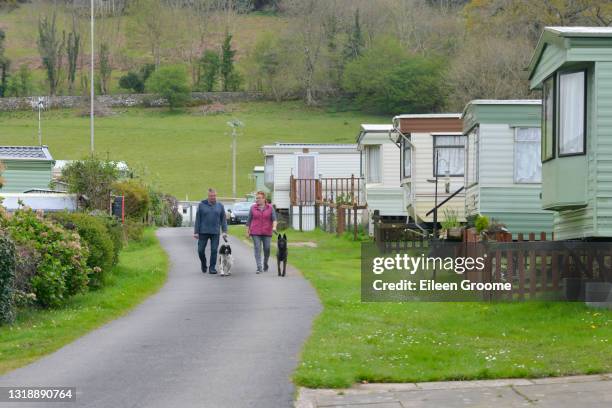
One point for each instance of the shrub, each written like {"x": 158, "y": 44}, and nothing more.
{"x": 93, "y": 231}
{"x": 170, "y": 83}
{"x": 137, "y": 198}
{"x": 62, "y": 270}
{"x": 7, "y": 276}
{"x": 93, "y": 178}
{"x": 134, "y": 230}
{"x": 115, "y": 232}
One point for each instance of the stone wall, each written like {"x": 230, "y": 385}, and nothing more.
{"x": 121, "y": 100}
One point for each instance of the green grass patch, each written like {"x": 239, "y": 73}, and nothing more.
{"x": 353, "y": 341}
{"x": 141, "y": 271}
{"x": 184, "y": 152}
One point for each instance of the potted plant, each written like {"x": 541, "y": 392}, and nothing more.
{"x": 451, "y": 228}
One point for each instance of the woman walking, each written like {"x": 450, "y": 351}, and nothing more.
{"x": 260, "y": 226}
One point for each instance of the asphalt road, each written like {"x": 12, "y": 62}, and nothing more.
{"x": 201, "y": 341}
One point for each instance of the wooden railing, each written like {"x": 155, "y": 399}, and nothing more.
{"x": 327, "y": 190}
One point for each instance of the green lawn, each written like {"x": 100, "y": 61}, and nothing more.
{"x": 184, "y": 152}
{"x": 404, "y": 342}
{"x": 141, "y": 271}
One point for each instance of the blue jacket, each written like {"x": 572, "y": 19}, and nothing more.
{"x": 210, "y": 218}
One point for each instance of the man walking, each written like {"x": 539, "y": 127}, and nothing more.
{"x": 210, "y": 218}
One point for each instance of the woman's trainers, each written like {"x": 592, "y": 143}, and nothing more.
{"x": 258, "y": 271}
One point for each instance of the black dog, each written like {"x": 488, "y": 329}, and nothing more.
{"x": 281, "y": 254}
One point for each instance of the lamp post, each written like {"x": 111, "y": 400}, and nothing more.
{"x": 91, "y": 91}
{"x": 234, "y": 124}
{"x": 40, "y": 105}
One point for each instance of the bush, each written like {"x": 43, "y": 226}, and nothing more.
{"x": 137, "y": 198}
{"x": 136, "y": 80}
{"x": 93, "y": 231}
{"x": 134, "y": 230}
{"x": 115, "y": 232}
{"x": 93, "y": 178}
{"x": 170, "y": 83}
{"x": 7, "y": 276}
{"x": 62, "y": 270}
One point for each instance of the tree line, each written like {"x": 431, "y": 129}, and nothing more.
{"x": 382, "y": 56}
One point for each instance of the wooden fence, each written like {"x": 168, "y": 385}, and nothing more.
{"x": 329, "y": 203}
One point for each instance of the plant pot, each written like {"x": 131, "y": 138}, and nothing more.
{"x": 598, "y": 294}
{"x": 455, "y": 234}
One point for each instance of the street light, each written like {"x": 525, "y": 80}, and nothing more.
{"x": 40, "y": 105}
{"x": 234, "y": 124}
{"x": 91, "y": 91}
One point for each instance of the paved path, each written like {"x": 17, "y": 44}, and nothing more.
{"x": 586, "y": 391}
{"x": 202, "y": 341}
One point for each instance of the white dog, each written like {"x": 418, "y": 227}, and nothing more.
{"x": 226, "y": 261}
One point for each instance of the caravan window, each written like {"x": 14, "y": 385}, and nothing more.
{"x": 571, "y": 113}
{"x": 548, "y": 117}
{"x": 471, "y": 162}
{"x": 373, "y": 163}
{"x": 450, "y": 154}
{"x": 269, "y": 170}
{"x": 527, "y": 152}
{"x": 407, "y": 157}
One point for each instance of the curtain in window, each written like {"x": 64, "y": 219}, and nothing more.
{"x": 451, "y": 160}
{"x": 571, "y": 113}
{"x": 407, "y": 159}
{"x": 527, "y": 155}
{"x": 547, "y": 118}
{"x": 373, "y": 157}
{"x": 471, "y": 161}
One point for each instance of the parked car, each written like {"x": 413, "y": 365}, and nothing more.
{"x": 229, "y": 215}
{"x": 240, "y": 212}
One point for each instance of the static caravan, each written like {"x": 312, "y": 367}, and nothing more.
{"x": 423, "y": 138}
{"x": 258, "y": 178}
{"x": 380, "y": 163}
{"x": 573, "y": 67}
{"x": 26, "y": 168}
{"x": 330, "y": 166}
{"x": 503, "y": 175}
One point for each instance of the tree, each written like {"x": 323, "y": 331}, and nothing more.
{"x": 170, "y": 82}
{"x": 72, "y": 50}
{"x": 51, "y": 48}
{"x": 228, "y": 74}
{"x": 210, "y": 63}
{"x": 308, "y": 37}
{"x": 402, "y": 83}
{"x": 21, "y": 83}
{"x": 92, "y": 178}
{"x": 355, "y": 43}
{"x": 105, "y": 68}
{"x": 4, "y": 66}
{"x": 136, "y": 80}
{"x": 149, "y": 21}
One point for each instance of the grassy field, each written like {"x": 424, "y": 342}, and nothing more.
{"x": 404, "y": 342}
{"x": 141, "y": 271}
{"x": 184, "y": 152}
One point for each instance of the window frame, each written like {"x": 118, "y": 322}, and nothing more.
{"x": 406, "y": 146}
{"x": 435, "y": 147}
{"x": 515, "y": 144}
{"x": 474, "y": 131}
{"x": 553, "y": 123}
{"x": 367, "y": 161}
{"x": 557, "y": 121}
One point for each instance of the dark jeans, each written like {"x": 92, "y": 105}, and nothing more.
{"x": 214, "y": 246}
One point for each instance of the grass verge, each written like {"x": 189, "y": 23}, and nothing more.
{"x": 141, "y": 271}
{"x": 353, "y": 341}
